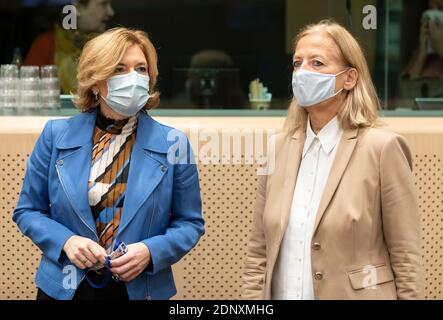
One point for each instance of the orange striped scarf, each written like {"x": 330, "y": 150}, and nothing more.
{"x": 113, "y": 141}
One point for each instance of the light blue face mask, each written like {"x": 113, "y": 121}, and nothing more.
{"x": 127, "y": 93}
{"x": 311, "y": 88}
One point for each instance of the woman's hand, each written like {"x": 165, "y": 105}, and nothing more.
{"x": 131, "y": 264}
{"x": 83, "y": 252}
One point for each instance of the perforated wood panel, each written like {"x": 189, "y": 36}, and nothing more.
{"x": 19, "y": 257}
{"x": 429, "y": 182}
{"x": 213, "y": 269}
{"x": 427, "y": 149}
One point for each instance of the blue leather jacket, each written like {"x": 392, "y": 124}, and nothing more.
{"x": 162, "y": 207}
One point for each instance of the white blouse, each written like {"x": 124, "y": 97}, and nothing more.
{"x": 293, "y": 276}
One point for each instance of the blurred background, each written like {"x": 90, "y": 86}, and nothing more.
{"x": 210, "y": 50}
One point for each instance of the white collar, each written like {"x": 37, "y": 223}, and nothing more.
{"x": 329, "y": 135}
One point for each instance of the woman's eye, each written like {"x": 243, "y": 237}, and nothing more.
{"x": 297, "y": 64}
{"x": 119, "y": 70}
{"x": 317, "y": 63}
{"x": 142, "y": 69}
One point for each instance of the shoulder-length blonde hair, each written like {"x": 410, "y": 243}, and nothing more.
{"x": 361, "y": 105}
{"x": 100, "y": 57}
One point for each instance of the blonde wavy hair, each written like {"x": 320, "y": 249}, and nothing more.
{"x": 100, "y": 57}
{"x": 361, "y": 105}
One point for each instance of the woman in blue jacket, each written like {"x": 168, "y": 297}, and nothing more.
{"x": 108, "y": 176}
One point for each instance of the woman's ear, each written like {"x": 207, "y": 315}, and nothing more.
{"x": 351, "y": 79}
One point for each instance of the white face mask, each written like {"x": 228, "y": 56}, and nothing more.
{"x": 311, "y": 88}
{"x": 127, "y": 93}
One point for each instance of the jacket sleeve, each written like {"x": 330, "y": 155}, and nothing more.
{"x": 32, "y": 213}
{"x": 401, "y": 219}
{"x": 186, "y": 224}
{"x": 255, "y": 266}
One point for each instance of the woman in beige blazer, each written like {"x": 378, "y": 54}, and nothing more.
{"x": 337, "y": 217}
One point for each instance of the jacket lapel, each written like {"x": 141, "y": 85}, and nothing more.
{"x": 148, "y": 165}
{"x": 74, "y": 162}
{"x": 290, "y": 177}
{"x": 343, "y": 155}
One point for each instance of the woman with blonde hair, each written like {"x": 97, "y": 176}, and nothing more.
{"x": 111, "y": 196}
{"x": 337, "y": 218}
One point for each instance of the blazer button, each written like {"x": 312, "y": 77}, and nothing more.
{"x": 163, "y": 168}
{"x": 316, "y": 246}
{"x": 318, "y": 276}
{"x": 60, "y": 162}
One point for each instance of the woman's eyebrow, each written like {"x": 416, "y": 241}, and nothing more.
{"x": 316, "y": 55}
{"x": 312, "y": 56}
{"x": 137, "y": 64}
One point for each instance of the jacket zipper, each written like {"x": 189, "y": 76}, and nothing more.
{"x": 95, "y": 233}
{"x": 75, "y": 210}
{"x": 149, "y": 232}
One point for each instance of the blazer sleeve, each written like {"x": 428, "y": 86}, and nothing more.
{"x": 186, "y": 224}
{"x": 255, "y": 266}
{"x": 400, "y": 215}
{"x": 32, "y": 213}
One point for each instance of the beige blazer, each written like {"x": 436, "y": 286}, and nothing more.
{"x": 366, "y": 240}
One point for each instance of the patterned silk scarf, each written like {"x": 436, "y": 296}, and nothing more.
{"x": 113, "y": 141}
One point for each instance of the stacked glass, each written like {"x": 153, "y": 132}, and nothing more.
{"x": 29, "y": 88}
{"x": 49, "y": 87}
{"x": 9, "y": 87}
